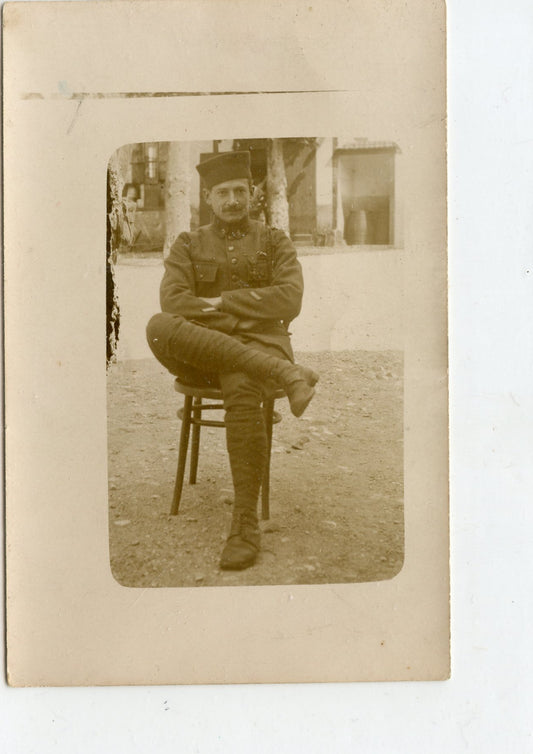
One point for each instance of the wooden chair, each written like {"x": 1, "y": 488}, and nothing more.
{"x": 194, "y": 404}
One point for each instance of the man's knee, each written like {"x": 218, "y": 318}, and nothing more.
{"x": 159, "y": 330}
{"x": 157, "y": 326}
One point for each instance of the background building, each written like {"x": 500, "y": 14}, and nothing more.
{"x": 338, "y": 192}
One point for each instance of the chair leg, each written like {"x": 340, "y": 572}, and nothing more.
{"x": 268, "y": 408}
{"x": 182, "y": 454}
{"x": 195, "y": 440}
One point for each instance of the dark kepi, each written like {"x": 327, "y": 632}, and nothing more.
{"x": 226, "y": 166}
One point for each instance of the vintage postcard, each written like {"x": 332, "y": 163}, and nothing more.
{"x": 225, "y": 246}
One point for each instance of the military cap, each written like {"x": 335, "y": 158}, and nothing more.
{"x": 225, "y": 166}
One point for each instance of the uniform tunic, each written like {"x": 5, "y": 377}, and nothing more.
{"x": 253, "y": 268}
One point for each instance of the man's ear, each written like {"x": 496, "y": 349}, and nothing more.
{"x": 207, "y": 196}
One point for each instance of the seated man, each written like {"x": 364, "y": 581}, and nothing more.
{"x": 228, "y": 293}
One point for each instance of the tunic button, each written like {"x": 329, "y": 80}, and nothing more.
{"x": 234, "y": 260}
{"x": 234, "y": 278}
{"x": 230, "y": 248}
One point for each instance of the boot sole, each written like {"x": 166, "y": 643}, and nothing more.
{"x": 237, "y": 566}
{"x": 298, "y": 407}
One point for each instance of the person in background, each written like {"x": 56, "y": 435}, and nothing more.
{"x": 128, "y": 234}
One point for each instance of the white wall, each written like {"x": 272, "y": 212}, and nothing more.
{"x": 352, "y": 300}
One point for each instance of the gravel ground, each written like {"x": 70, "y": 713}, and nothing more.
{"x": 336, "y": 503}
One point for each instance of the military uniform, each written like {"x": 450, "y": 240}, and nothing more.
{"x": 253, "y": 268}
{"x": 241, "y": 344}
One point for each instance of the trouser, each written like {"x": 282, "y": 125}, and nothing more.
{"x": 246, "y": 437}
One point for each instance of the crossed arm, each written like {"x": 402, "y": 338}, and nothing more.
{"x": 237, "y": 309}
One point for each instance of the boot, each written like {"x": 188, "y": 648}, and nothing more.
{"x": 171, "y": 336}
{"x": 247, "y": 449}
{"x": 242, "y": 546}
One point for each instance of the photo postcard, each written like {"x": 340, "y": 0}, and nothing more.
{"x": 225, "y": 342}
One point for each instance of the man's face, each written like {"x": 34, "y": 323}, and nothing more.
{"x": 230, "y": 200}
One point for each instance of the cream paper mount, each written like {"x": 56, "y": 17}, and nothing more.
{"x": 80, "y": 81}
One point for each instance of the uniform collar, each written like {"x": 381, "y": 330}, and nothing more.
{"x": 231, "y": 230}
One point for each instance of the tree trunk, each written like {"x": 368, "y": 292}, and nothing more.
{"x": 278, "y": 205}
{"x": 115, "y": 183}
{"x": 177, "y": 193}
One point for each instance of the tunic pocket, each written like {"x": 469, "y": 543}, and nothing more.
{"x": 205, "y": 272}
{"x": 258, "y": 272}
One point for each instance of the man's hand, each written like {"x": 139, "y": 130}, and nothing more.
{"x": 246, "y": 325}
{"x": 216, "y": 302}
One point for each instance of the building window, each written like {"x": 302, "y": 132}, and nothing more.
{"x": 151, "y": 165}
{"x": 148, "y": 168}
{"x": 365, "y": 191}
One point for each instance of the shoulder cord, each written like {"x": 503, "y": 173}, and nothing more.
{"x": 270, "y": 258}
{"x": 195, "y": 242}
{"x": 270, "y": 255}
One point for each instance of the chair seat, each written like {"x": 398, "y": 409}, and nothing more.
{"x": 202, "y": 391}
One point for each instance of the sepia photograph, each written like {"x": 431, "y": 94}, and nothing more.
{"x": 255, "y": 362}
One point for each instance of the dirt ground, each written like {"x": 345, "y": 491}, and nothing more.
{"x": 336, "y": 501}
